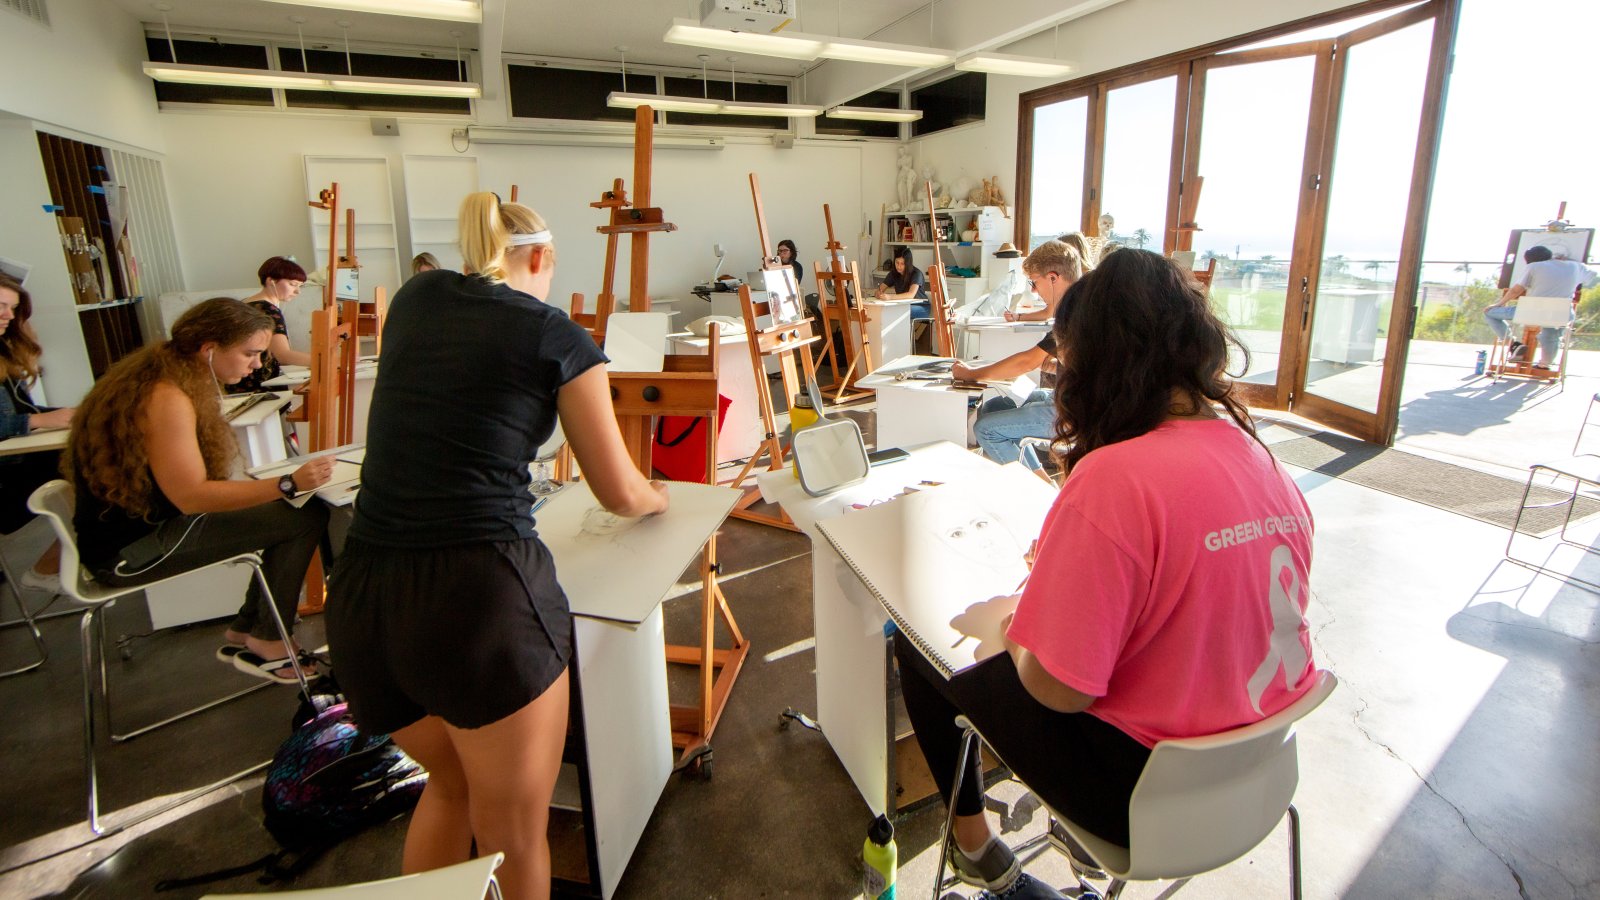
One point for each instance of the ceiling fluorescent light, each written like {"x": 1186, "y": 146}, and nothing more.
{"x": 879, "y": 52}
{"x": 308, "y": 81}
{"x": 874, "y": 114}
{"x": 620, "y": 100}
{"x": 407, "y": 86}
{"x": 784, "y": 46}
{"x": 1007, "y": 64}
{"x": 477, "y": 135}
{"x": 446, "y": 10}
{"x": 219, "y": 75}
{"x": 793, "y": 110}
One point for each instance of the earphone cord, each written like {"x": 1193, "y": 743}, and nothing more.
{"x": 163, "y": 557}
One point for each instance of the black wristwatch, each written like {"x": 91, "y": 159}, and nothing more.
{"x": 286, "y": 487}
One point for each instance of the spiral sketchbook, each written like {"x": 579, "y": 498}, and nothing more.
{"x": 944, "y": 561}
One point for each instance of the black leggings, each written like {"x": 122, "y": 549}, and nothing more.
{"x": 286, "y": 537}
{"x": 1080, "y": 766}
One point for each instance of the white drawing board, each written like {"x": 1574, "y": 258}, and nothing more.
{"x": 621, "y": 570}
{"x": 942, "y": 561}
{"x": 637, "y": 341}
{"x": 1575, "y": 241}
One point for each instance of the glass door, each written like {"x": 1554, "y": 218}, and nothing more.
{"x": 1134, "y": 204}
{"x": 1376, "y": 171}
{"x": 1250, "y": 116}
{"x": 1059, "y": 137}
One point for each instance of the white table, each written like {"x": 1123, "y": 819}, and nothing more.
{"x": 35, "y": 441}
{"x": 917, "y": 412}
{"x": 889, "y": 327}
{"x": 740, "y": 435}
{"x": 259, "y": 432}
{"x": 994, "y": 342}
{"x": 853, "y": 664}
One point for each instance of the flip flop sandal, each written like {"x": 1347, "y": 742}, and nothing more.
{"x": 227, "y": 652}
{"x": 280, "y": 671}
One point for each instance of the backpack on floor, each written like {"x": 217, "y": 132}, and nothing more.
{"x": 328, "y": 781}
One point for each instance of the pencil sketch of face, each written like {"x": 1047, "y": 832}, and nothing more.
{"x": 973, "y": 532}
{"x": 599, "y": 523}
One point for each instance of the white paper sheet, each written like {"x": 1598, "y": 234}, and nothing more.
{"x": 637, "y": 342}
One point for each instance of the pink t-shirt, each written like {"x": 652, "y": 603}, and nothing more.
{"x": 1171, "y": 583}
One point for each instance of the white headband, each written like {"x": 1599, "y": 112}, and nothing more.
{"x": 538, "y": 237}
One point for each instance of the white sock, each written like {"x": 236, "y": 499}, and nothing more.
{"x": 976, "y": 855}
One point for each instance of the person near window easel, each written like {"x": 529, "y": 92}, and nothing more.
{"x": 1549, "y": 274}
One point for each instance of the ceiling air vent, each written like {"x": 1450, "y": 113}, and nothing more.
{"x": 33, "y": 9}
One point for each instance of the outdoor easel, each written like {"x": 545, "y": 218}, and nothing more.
{"x": 836, "y": 286}
{"x": 1183, "y": 235}
{"x": 686, "y": 386}
{"x": 780, "y": 341}
{"x": 944, "y": 341}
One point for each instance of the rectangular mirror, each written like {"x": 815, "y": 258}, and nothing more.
{"x": 830, "y": 455}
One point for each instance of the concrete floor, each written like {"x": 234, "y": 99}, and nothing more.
{"x": 1456, "y": 759}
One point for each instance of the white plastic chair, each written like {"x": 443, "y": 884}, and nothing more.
{"x": 53, "y": 501}
{"x": 471, "y": 880}
{"x": 1200, "y": 803}
{"x": 29, "y": 619}
{"x": 1539, "y": 312}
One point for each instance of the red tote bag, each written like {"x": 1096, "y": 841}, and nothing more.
{"x": 679, "y": 453}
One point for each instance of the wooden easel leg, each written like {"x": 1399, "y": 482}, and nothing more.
{"x": 692, "y": 726}
{"x": 316, "y": 595}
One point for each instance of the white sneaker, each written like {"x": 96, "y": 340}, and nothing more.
{"x": 39, "y": 581}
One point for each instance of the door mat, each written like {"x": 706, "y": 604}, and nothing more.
{"x": 1467, "y": 492}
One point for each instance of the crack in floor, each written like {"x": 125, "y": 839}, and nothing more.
{"x": 1522, "y": 889}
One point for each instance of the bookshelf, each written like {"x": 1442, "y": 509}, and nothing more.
{"x": 987, "y": 225}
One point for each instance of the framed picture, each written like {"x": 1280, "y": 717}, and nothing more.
{"x": 783, "y": 292}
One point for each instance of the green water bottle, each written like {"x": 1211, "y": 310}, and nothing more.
{"x": 880, "y": 859}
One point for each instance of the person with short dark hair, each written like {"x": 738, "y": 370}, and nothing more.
{"x": 281, "y": 280}
{"x": 1548, "y": 274}
{"x": 1169, "y": 581}
{"x": 789, "y": 256}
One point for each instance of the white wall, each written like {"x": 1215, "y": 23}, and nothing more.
{"x": 82, "y": 73}
{"x": 238, "y": 191}
{"x": 29, "y": 234}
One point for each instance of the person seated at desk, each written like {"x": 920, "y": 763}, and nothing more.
{"x": 1549, "y": 274}
{"x": 1054, "y": 272}
{"x": 20, "y": 475}
{"x": 1159, "y": 606}
{"x": 905, "y": 282}
{"x": 451, "y": 630}
{"x": 424, "y": 262}
{"x": 149, "y": 456}
{"x": 281, "y": 280}
{"x": 1047, "y": 267}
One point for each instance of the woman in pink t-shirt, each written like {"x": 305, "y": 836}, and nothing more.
{"x": 1168, "y": 595}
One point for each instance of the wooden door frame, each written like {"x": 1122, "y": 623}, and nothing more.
{"x": 1380, "y": 426}
{"x": 1024, "y": 227}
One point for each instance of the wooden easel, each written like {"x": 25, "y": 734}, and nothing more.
{"x": 836, "y": 285}
{"x": 944, "y": 341}
{"x": 1183, "y": 235}
{"x": 780, "y": 341}
{"x": 686, "y": 386}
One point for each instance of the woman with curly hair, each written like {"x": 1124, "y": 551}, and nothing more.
{"x": 20, "y": 475}
{"x": 1169, "y": 587}
{"x": 150, "y": 455}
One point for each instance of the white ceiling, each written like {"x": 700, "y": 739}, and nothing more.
{"x": 576, "y": 29}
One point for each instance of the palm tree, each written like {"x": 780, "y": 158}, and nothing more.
{"x": 1374, "y": 266}
{"x": 1336, "y": 265}
{"x": 1140, "y": 238}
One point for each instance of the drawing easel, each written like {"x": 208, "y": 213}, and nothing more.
{"x": 686, "y": 386}
{"x": 1557, "y": 235}
{"x": 1183, "y": 235}
{"x": 783, "y": 342}
{"x": 836, "y": 286}
{"x": 944, "y": 342}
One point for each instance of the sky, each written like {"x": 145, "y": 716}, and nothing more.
{"x": 1520, "y": 133}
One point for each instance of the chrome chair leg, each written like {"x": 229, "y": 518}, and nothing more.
{"x": 86, "y": 631}
{"x": 284, "y": 632}
{"x": 1294, "y": 853}
{"x": 969, "y": 737}
{"x": 27, "y": 621}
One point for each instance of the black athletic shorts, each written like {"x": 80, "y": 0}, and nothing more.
{"x": 470, "y": 633}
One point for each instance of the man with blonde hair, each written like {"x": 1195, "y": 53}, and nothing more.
{"x": 1051, "y": 268}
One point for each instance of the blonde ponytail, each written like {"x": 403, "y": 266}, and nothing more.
{"x": 486, "y": 227}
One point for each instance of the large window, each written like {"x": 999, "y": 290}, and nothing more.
{"x": 548, "y": 92}
{"x": 860, "y": 127}
{"x": 1059, "y": 132}
{"x": 209, "y": 53}
{"x": 334, "y": 62}
{"x": 719, "y": 89}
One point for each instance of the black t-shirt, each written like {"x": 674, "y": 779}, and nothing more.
{"x": 466, "y": 393}
{"x": 899, "y": 284}
{"x": 104, "y": 530}
{"x": 799, "y": 274}
{"x": 1048, "y": 345}
{"x": 269, "y": 364}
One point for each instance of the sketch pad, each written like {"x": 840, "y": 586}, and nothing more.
{"x": 934, "y": 557}
{"x": 637, "y": 342}
{"x": 622, "y": 573}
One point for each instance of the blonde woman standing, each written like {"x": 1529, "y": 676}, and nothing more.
{"x": 451, "y": 631}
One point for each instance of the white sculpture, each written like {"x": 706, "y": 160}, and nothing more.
{"x": 906, "y": 178}
{"x": 928, "y": 176}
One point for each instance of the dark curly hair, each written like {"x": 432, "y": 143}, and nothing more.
{"x": 1137, "y": 342}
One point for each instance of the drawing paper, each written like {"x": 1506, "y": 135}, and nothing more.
{"x": 637, "y": 342}
{"x": 944, "y": 561}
